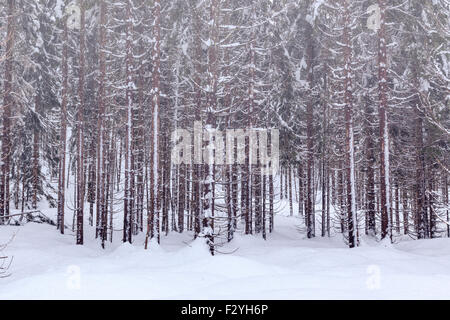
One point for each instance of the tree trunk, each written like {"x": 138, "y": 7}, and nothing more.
{"x": 384, "y": 132}
{"x": 7, "y": 102}
{"x": 154, "y": 226}
{"x": 80, "y": 128}
{"x": 63, "y": 133}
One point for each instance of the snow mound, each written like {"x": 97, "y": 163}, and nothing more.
{"x": 48, "y": 265}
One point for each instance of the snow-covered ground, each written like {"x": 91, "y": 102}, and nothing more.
{"x": 47, "y": 265}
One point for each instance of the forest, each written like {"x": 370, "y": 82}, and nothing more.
{"x": 93, "y": 90}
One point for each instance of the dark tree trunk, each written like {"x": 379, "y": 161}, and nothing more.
{"x": 384, "y": 133}
{"x": 7, "y": 102}
{"x": 80, "y": 129}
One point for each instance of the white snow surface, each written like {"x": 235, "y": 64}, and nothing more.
{"x": 48, "y": 265}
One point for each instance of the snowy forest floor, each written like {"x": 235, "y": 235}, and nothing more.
{"x": 47, "y": 265}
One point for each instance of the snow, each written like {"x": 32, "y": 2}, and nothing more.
{"x": 48, "y": 265}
